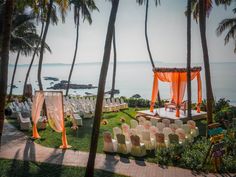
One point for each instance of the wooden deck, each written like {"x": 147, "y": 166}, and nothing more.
{"x": 161, "y": 113}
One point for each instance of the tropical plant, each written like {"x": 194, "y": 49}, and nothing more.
{"x": 146, "y": 36}
{"x": 230, "y": 25}
{"x": 84, "y": 8}
{"x": 101, "y": 87}
{"x": 5, "y": 47}
{"x": 24, "y": 38}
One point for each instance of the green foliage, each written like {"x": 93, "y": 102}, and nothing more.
{"x": 225, "y": 115}
{"x": 221, "y": 104}
{"x": 139, "y": 102}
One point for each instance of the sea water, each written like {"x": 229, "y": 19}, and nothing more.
{"x": 131, "y": 78}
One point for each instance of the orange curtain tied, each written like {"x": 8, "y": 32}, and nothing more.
{"x": 178, "y": 80}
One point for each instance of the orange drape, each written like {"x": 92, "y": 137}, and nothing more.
{"x": 36, "y": 109}
{"x": 178, "y": 82}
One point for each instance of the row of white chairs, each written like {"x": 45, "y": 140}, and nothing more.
{"x": 114, "y": 104}
{"x": 144, "y": 136}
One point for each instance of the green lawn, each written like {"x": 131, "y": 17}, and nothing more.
{"x": 16, "y": 168}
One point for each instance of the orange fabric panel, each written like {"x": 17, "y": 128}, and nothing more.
{"x": 178, "y": 81}
{"x": 154, "y": 92}
{"x": 36, "y": 109}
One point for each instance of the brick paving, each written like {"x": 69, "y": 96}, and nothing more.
{"x": 16, "y": 145}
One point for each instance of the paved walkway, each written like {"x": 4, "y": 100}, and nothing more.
{"x": 16, "y": 145}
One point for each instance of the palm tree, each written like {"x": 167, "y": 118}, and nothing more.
{"x": 9, "y": 6}
{"x": 101, "y": 87}
{"x": 114, "y": 64}
{"x": 200, "y": 9}
{"x": 63, "y": 5}
{"x": 83, "y": 7}
{"x": 39, "y": 12}
{"x": 24, "y": 37}
{"x": 146, "y": 37}
{"x": 189, "y": 58}
{"x": 230, "y": 25}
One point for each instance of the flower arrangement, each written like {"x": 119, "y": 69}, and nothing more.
{"x": 104, "y": 122}
{"x": 122, "y": 119}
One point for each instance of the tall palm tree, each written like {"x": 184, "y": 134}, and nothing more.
{"x": 83, "y": 7}
{"x": 63, "y": 5}
{"x": 189, "y": 58}
{"x": 101, "y": 87}
{"x": 146, "y": 37}
{"x": 201, "y": 8}
{"x": 5, "y": 58}
{"x": 114, "y": 64}
{"x": 40, "y": 16}
{"x": 230, "y": 25}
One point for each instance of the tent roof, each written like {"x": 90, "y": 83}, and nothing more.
{"x": 193, "y": 69}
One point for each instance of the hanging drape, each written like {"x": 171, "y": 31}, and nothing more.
{"x": 178, "y": 81}
{"x": 55, "y": 113}
{"x": 36, "y": 109}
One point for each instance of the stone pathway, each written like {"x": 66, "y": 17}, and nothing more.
{"x": 16, "y": 145}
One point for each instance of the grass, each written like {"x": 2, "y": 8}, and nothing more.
{"x": 80, "y": 140}
{"x": 17, "y": 168}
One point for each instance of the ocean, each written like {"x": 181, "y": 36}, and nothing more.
{"x": 131, "y": 78}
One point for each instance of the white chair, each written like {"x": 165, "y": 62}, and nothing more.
{"x": 110, "y": 145}
{"x": 160, "y": 140}
{"x": 25, "y": 123}
{"x": 77, "y": 119}
{"x": 160, "y": 126}
{"x": 153, "y": 130}
{"x": 138, "y": 149}
{"x": 179, "y": 123}
{"x": 166, "y": 132}
{"x": 147, "y": 140}
{"x": 181, "y": 134}
{"x": 154, "y": 122}
{"x": 139, "y": 130}
{"x": 133, "y": 123}
{"x": 166, "y": 122}
{"x": 193, "y": 129}
{"x": 123, "y": 104}
{"x": 187, "y": 130}
{"x": 147, "y": 124}
{"x": 173, "y": 127}
{"x": 116, "y": 130}
{"x": 126, "y": 130}
{"x": 123, "y": 146}
{"x": 117, "y": 105}
{"x": 141, "y": 120}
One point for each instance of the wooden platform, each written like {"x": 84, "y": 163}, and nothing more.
{"x": 161, "y": 113}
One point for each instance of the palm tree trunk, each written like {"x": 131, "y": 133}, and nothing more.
{"x": 13, "y": 75}
{"x": 100, "y": 93}
{"x": 75, "y": 53}
{"x": 5, "y": 58}
{"x": 33, "y": 57}
{"x": 114, "y": 65}
{"x": 43, "y": 44}
{"x": 202, "y": 26}
{"x": 189, "y": 59}
{"x": 148, "y": 47}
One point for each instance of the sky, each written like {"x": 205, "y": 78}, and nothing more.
{"x": 166, "y": 31}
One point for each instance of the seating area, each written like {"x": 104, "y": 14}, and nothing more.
{"x": 142, "y": 135}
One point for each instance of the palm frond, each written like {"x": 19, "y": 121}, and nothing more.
{"x": 225, "y": 24}
{"x": 231, "y": 34}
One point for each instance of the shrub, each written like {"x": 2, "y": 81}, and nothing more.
{"x": 221, "y": 104}
{"x": 225, "y": 116}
